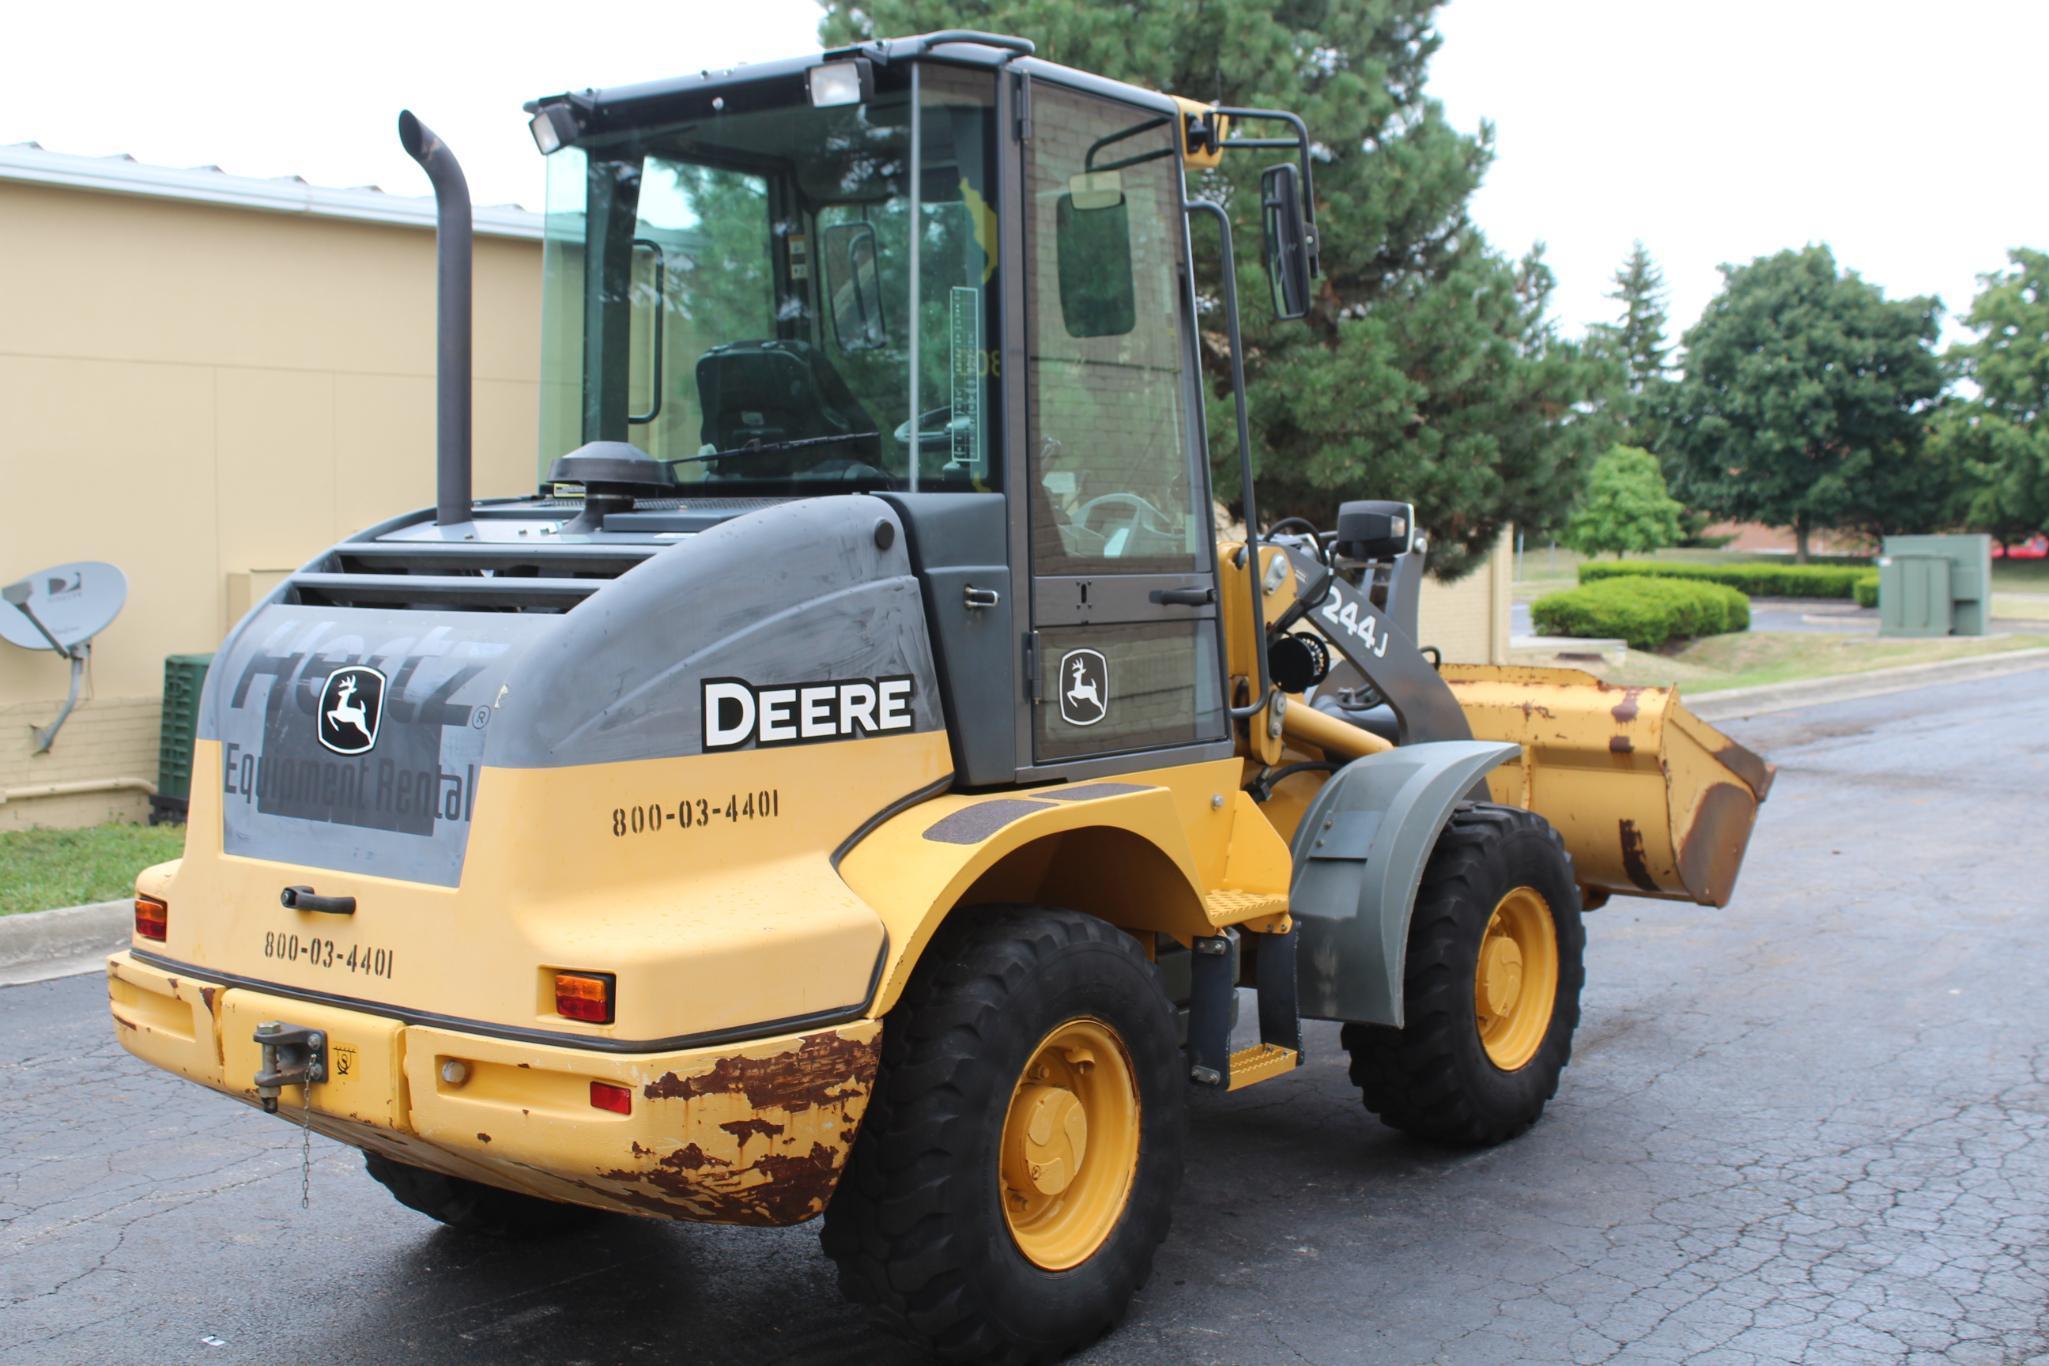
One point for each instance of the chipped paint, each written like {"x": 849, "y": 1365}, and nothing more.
{"x": 1633, "y": 862}
{"x": 744, "y": 1129}
{"x": 813, "y": 1075}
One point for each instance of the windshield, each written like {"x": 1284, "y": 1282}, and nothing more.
{"x": 734, "y": 295}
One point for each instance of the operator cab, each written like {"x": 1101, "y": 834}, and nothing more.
{"x": 942, "y": 272}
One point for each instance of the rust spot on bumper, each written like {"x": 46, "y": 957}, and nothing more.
{"x": 816, "y": 1074}
{"x": 744, "y": 1129}
{"x": 804, "y": 1105}
{"x": 1619, "y": 744}
{"x": 1625, "y": 711}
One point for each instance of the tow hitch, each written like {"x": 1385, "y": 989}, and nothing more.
{"x": 291, "y": 1057}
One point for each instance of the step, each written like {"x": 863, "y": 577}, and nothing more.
{"x": 1230, "y": 906}
{"x": 1261, "y": 1062}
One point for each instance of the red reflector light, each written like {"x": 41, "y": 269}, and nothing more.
{"x": 585, "y": 996}
{"x": 606, "y": 1096}
{"x": 152, "y": 918}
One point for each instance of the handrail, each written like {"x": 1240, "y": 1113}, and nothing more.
{"x": 1230, "y": 271}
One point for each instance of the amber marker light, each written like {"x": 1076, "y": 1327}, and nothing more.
{"x": 606, "y": 1096}
{"x": 585, "y": 996}
{"x": 152, "y": 919}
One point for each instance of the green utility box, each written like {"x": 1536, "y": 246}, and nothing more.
{"x": 184, "y": 676}
{"x": 1935, "y": 586}
{"x": 1913, "y": 596}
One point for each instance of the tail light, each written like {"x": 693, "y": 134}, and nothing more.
{"x": 152, "y": 919}
{"x": 585, "y": 996}
{"x": 606, "y": 1096}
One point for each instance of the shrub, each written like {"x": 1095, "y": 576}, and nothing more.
{"x": 1643, "y": 610}
{"x": 1757, "y": 580}
{"x": 1866, "y": 590}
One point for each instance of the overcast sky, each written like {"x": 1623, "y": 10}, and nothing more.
{"x": 1901, "y": 133}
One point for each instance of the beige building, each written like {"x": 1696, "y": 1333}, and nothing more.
{"x": 206, "y": 379}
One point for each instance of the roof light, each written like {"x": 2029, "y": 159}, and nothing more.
{"x": 606, "y": 1096}
{"x": 585, "y": 996}
{"x": 847, "y": 82}
{"x": 152, "y": 919}
{"x": 553, "y": 127}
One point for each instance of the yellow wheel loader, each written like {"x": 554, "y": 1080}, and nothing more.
{"x": 857, "y": 782}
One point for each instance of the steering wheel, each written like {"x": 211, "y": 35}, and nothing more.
{"x": 1141, "y": 515}
{"x": 935, "y": 429}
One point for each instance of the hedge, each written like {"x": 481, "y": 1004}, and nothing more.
{"x": 1867, "y": 589}
{"x": 1757, "y": 580}
{"x": 1642, "y": 610}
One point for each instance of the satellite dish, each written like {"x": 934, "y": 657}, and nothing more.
{"x": 61, "y": 609}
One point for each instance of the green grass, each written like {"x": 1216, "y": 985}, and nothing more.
{"x": 42, "y": 869}
{"x": 1750, "y": 659}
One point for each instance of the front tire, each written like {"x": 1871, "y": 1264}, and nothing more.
{"x": 1490, "y": 985}
{"x": 473, "y": 1207}
{"x": 1022, "y": 1148}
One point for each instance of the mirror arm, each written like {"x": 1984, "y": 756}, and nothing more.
{"x": 1300, "y": 144}
{"x": 1230, "y": 272}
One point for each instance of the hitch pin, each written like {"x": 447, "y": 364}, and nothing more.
{"x": 291, "y": 1057}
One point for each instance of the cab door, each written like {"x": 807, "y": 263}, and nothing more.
{"x": 1123, "y": 655}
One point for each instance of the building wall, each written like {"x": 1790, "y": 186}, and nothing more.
{"x": 206, "y": 396}
{"x": 1468, "y": 620}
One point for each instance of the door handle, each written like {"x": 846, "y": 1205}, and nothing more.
{"x": 981, "y": 597}
{"x": 303, "y": 899}
{"x": 1185, "y": 597}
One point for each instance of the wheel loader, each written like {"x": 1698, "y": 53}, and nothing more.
{"x": 859, "y": 782}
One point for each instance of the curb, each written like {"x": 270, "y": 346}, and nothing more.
{"x": 32, "y": 939}
{"x": 1813, "y": 692}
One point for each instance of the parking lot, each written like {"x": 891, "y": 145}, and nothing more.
{"x": 1813, "y": 1126}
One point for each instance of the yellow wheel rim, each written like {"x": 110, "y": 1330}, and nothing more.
{"x": 1070, "y": 1145}
{"x": 1515, "y": 982}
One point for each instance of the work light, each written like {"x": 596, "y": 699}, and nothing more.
{"x": 553, "y": 127}
{"x": 848, "y": 82}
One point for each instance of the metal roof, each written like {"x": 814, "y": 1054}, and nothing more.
{"x": 33, "y": 164}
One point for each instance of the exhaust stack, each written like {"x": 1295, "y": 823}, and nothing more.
{"x": 452, "y": 241}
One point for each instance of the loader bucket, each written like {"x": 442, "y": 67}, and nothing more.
{"x": 1650, "y": 800}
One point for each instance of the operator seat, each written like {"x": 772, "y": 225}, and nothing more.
{"x": 777, "y": 390}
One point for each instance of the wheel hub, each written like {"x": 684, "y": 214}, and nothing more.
{"x": 1050, "y": 1141}
{"x": 1515, "y": 979}
{"x": 1069, "y": 1148}
{"x": 1501, "y": 976}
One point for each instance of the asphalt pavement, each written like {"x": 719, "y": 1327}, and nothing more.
{"x": 1813, "y": 1126}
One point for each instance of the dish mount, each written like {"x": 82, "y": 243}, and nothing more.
{"x": 61, "y": 609}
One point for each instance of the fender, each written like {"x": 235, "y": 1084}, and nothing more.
{"x": 1176, "y": 850}
{"x": 1359, "y": 854}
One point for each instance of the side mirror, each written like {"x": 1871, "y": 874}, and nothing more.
{"x": 1369, "y": 529}
{"x": 853, "y": 285}
{"x": 1287, "y": 240}
{"x": 1092, "y": 238}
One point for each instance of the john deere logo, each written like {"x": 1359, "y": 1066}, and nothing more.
{"x": 1084, "y": 687}
{"x": 351, "y": 704}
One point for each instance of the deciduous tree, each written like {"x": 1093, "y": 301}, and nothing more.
{"x": 1999, "y": 436}
{"x": 1806, "y": 401}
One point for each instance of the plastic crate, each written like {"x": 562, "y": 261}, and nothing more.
{"x": 184, "y": 676}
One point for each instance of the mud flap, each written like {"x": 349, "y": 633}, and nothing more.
{"x": 1359, "y": 854}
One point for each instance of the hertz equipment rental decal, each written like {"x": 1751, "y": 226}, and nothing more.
{"x": 737, "y": 713}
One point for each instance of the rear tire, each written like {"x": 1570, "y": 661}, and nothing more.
{"x": 472, "y": 1207}
{"x": 1481, "y": 1050}
{"x": 978, "y": 1214}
